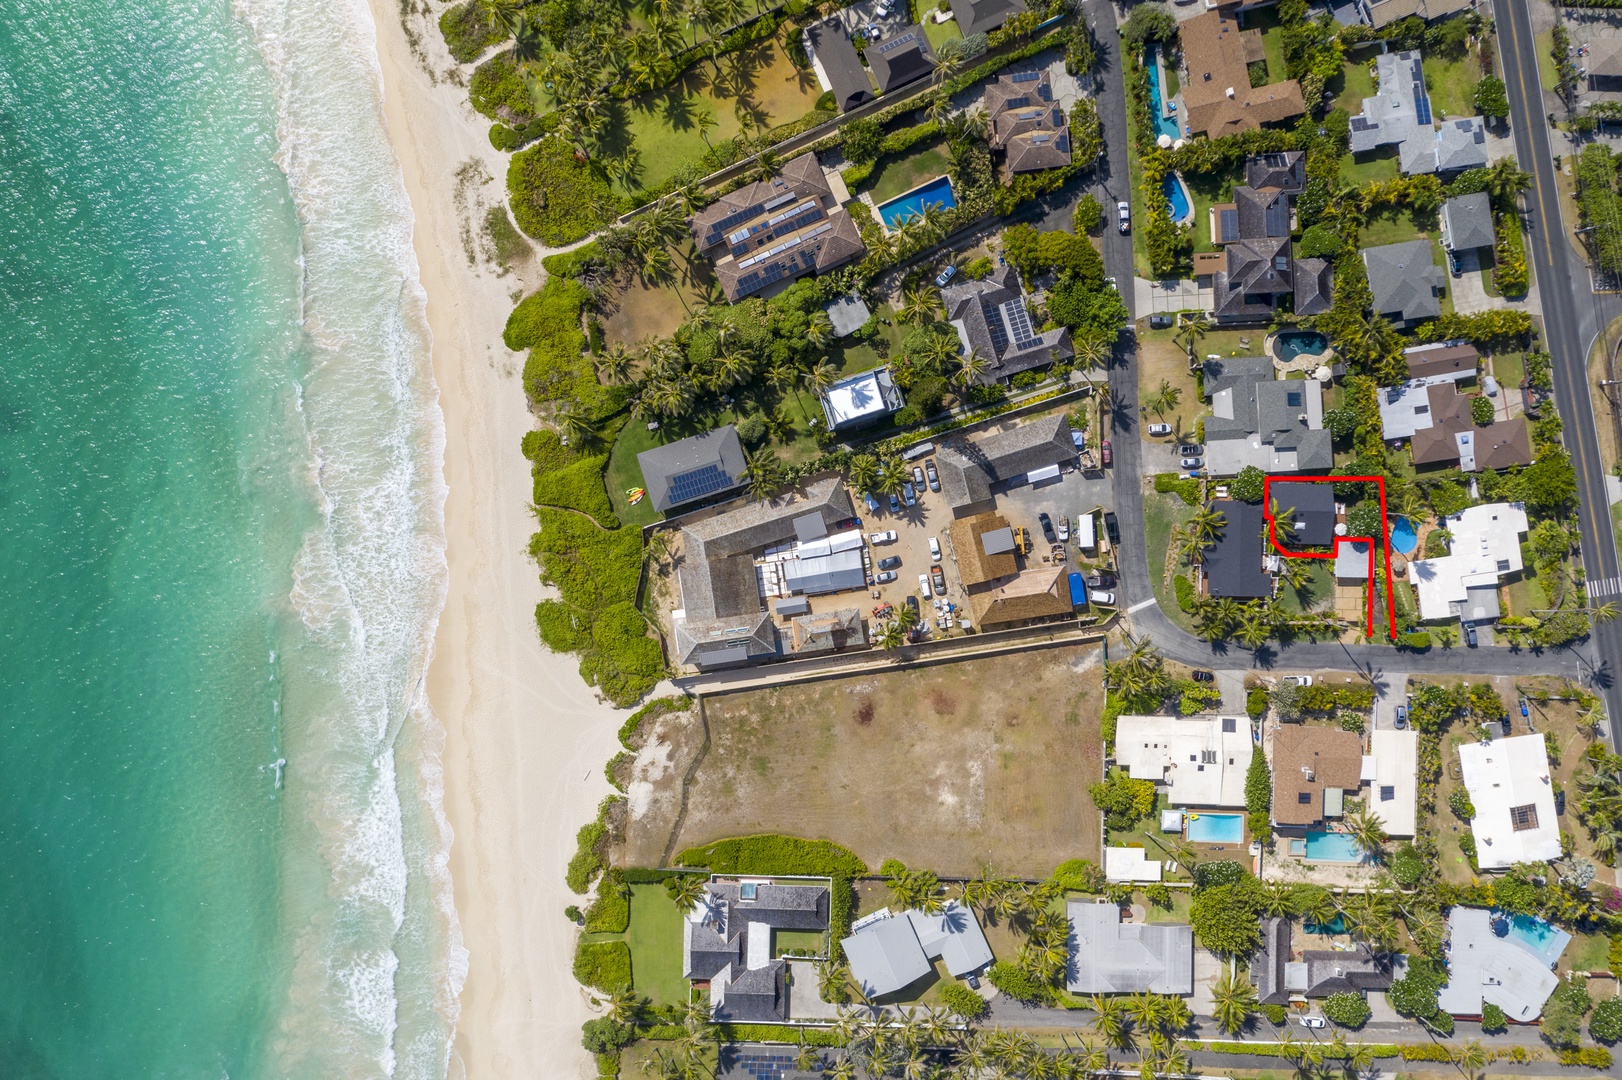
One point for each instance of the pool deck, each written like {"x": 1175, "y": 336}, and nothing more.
{"x": 878, "y": 215}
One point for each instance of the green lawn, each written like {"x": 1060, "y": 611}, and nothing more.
{"x": 1548, "y": 74}
{"x": 940, "y": 33}
{"x": 1379, "y": 165}
{"x": 895, "y": 175}
{"x": 1355, "y": 83}
{"x": 806, "y": 940}
{"x": 1390, "y": 228}
{"x": 1181, "y": 901}
{"x": 655, "y": 940}
{"x": 1266, "y": 20}
{"x": 1586, "y": 952}
{"x": 623, "y": 473}
{"x": 1317, "y": 589}
{"x": 1208, "y": 189}
{"x": 1173, "y": 86}
{"x": 1452, "y": 85}
{"x": 1134, "y": 168}
{"x": 1162, "y": 513}
{"x": 1509, "y": 368}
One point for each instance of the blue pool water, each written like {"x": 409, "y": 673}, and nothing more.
{"x": 902, "y": 207}
{"x": 1544, "y": 940}
{"x": 1332, "y": 847}
{"x": 1177, "y": 197}
{"x": 1403, "y": 537}
{"x": 1217, "y": 829}
{"x": 1163, "y": 126}
{"x": 1293, "y": 343}
{"x": 1337, "y": 925}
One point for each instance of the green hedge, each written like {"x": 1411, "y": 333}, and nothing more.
{"x": 1185, "y": 488}
{"x": 1185, "y": 593}
{"x": 466, "y": 31}
{"x": 495, "y": 85}
{"x": 556, "y": 198}
{"x": 578, "y": 487}
{"x": 637, "y": 875}
{"x": 770, "y": 853}
{"x": 604, "y": 965}
{"x": 841, "y": 913}
{"x": 1379, "y": 1050}
{"x": 610, "y": 913}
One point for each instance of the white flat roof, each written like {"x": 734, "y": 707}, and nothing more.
{"x": 1352, "y": 560}
{"x": 1481, "y": 966}
{"x": 1130, "y": 864}
{"x": 1201, "y": 759}
{"x": 857, "y": 397}
{"x": 1510, "y": 787}
{"x": 1486, "y": 545}
{"x": 1394, "y": 788}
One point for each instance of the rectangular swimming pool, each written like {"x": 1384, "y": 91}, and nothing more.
{"x": 911, "y": 204}
{"x": 1324, "y": 846}
{"x": 1216, "y": 828}
{"x": 1542, "y": 939}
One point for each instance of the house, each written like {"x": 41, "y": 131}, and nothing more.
{"x": 1279, "y": 978}
{"x": 1108, "y": 956}
{"x": 848, "y": 314}
{"x": 901, "y": 58}
{"x": 1275, "y": 425}
{"x": 1513, "y": 795}
{"x": 722, "y": 620}
{"x": 861, "y": 399}
{"x": 1445, "y": 360}
{"x": 1488, "y": 963}
{"x": 1399, "y": 115}
{"x": 1604, "y": 63}
{"x": 825, "y": 632}
{"x": 1441, "y": 429}
{"x": 888, "y": 952}
{"x": 1284, "y": 171}
{"x": 1391, "y": 769}
{"x": 694, "y": 468}
{"x": 984, "y": 548}
{"x": 1233, "y": 566}
{"x": 1313, "y": 770}
{"x": 1314, "y": 517}
{"x": 839, "y": 69}
{"x": 1029, "y": 596}
{"x": 1217, "y": 94}
{"x": 991, "y": 319}
{"x": 1382, "y": 13}
{"x": 1314, "y": 286}
{"x": 1256, "y": 269}
{"x": 983, "y": 16}
{"x": 1199, "y": 761}
{"x": 1467, "y": 222}
{"x": 1027, "y": 124}
{"x": 969, "y": 468}
{"x": 770, "y": 232}
{"x": 1463, "y": 584}
{"x": 1406, "y": 283}
{"x": 1256, "y": 273}
{"x": 727, "y": 942}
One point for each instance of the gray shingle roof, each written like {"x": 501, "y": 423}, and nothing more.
{"x": 1286, "y": 171}
{"x": 693, "y": 468}
{"x": 1404, "y": 280}
{"x": 986, "y": 315}
{"x": 968, "y": 468}
{"x": 1267, "y": 966}
{"x": 1111, "y": 957}
{"x": 722, "y": 937}
{"x": 1262, "y": 212}
{"x": 1233, "y": 565}
{"x": 1467, "y": 222}
{"x": 1314, "y": 506}
{"x": 1314, "y": 286}
{"x": 1461, "y": 144}
{"x": 751, "y": 996}
{"x": 829, "y": 44}
{"x": 983, "y": 16}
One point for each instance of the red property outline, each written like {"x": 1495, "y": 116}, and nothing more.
{"x": 1385, "y": 530}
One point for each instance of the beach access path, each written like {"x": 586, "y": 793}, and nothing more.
{"x": 525, "y": 737}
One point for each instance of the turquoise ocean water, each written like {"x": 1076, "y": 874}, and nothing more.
{"x": 220, "y": 548}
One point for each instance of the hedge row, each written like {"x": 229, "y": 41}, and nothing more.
{"x": 610, "y": 913}
{"x": 770, "y": 853}
{"x": 604, "y": 965}
{"x": 637, "y": 875}
{"x": 1379, "y": 1050}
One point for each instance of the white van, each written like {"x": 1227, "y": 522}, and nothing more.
{"x": 1086, "y": 532}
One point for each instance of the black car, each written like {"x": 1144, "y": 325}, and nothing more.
{"x": 1113, "y": 527}
{"x": 1047, "y": 527}
{"x": 890, "y": 563}
{"x": 1101, "y": 579}
{"x": 1204, "y": 676}
{"x": 1160, "y": 322}
{"x": 1470, "y": 634}
{"x": 912, "y": 602}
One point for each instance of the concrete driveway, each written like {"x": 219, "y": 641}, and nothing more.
{"x": 1167, "y": 297}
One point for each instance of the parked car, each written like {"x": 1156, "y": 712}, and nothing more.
{"x": 885, "y": 537}
{"x": 1064, "y": 528}
{"x": 1106, "y": 453}
{"x": 1192, "y": 462}
{"x": 939, "y": 580}
{"x": 946, "y": 275}
{"x": 882, "y": 10}
{"x": 1298, "y": 680}
{"x": 1099, "y": 596}
{"x": 1047, "y": 527}
{"x": 1190, "y": 449}
{"x": 1204, "y": 676}
{"x": 918, "y": 477}
{"x": 1157, "y": 430}
{"x": 923, "y": 584}
{"x": 912, "y": 602}
{"x": 885, "y": 577}
{"x": 895, "y": 505}
{"x": 934, "y": 549}
{"x": 974, "y": 982}
{"x": 908, "y": 494}
{"x": 1313, "y": 1022}
{"x": 1123, "y": 216}
{"x": 1160, "y": 322}
{"x": 890, "y": 562}
{"x": 1470, "y": 635}
{"x": 934, "y": 477}
{"x": 1402, "y": 717}
{"x": 872, "y": 503}
{"x": 1101, "y": 579}
{"x": 1524, "y": 710}
{"x": 1112, "y": 526}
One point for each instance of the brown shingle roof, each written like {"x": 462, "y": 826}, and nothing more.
{"x": 1216, "y": 53}
{"x": 1445, "y": 361}
{"x": 1033, "y": 594}
{"x": 974, "y": 566}
{"x": 1505, "y": 443}
{"x": 1305, "y": 761}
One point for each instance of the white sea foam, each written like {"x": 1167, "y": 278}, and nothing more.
{"x": 378, "y": 962}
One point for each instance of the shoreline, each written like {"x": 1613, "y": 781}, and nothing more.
{"x": 525, "y": 738}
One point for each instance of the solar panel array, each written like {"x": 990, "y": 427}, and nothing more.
{"x": 891, "y": 46}
{"x": 764, "y": 1064}
{"x": 1027, "y": 76}
{"x": 699, "y": 482}
{"x": 1019, "y": 321}
{"x": 999, "y": 336}
{"x": 1422, "y": 101}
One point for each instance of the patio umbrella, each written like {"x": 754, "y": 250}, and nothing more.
{"x": 1164, "y": 141}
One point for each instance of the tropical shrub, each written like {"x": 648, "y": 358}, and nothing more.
{"x": 964, "y": 1002}
{"x": 769, "y": 853}
{"x": 610, "y": 913}
{"x": 556, "y": 198}
{"x": 605, "y": 1036}
{"x": 1248, "y": 485}
{"x": 1561, "y": 1026}
{"x": 1347, "y": 1009}
{"x": 604, "y": 965}
{"x": 497, "y": 89}
{"x": 1227, "y": 918}
{"x": 1123, "y": 800}
{"x": 1019, "y": 985}
{"x": 1459, "y": 802}
{"x": 1492, "y": 1018}
{"x": 1606, "y": 1024}
{"x": 1414, "y": 995}
{"x": 466, "y": 31}
{"x": 1481, "y": 410}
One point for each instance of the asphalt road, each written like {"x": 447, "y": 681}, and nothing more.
{"x": 1572, "y": 318}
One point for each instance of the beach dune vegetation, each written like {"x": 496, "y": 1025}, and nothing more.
{"x": 774, "y": 854}
{"x": 603, "y": 965}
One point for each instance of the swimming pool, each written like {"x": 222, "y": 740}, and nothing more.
{"x": 1542, "y": 939}
{"x": 912, "y": 203}
{"x": 1216, "y": 828}
{"x": 1403, "y": 537}
{"x": 1337, "y": 925}
{"x": 1181, "y": 212}
{"x": 1163, "y": 126}
{"x": 1322, "y": 846}
{"x": 1293, "y": 343}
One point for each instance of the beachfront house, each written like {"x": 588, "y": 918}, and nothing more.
{"x": 1197, "y": 761}
{"x": 1484, "y": 549}
{"x": 1314, "y": 769}
{"x": 1505, "y": 960}
{"x": 694, "y": 469}
{"x": 727, "y": 943}
{"x": 1512, "y": 792}
{"x": 1108, "y": 956}
{"x": 889, "y": 952}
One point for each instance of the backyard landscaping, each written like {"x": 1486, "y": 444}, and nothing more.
{"x": 892, "y": 176}
{"x": 950, "y": 767}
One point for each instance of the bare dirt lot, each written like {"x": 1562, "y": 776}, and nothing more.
{"x": 949, "y": 767}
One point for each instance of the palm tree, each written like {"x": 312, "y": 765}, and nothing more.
{"x": 614, "y": 366}
{"x": 502, "y": 15}
{"x": 1091, "y": 350}
{"x": 1505, "y": 181}
{"x": 1164, "y": 399}
{"x": 970, "y": 369}
{"x": 893, "y": 475}
{"x": 822, "y": 376}
{"x": 1472, "y": 1057}
{"x": 1279, "y": 898}
{"x": 1111, "y": 1022}
{"x": 1206, "y": 525}
{"x": 767, "y": 165}
{"x": 921, "y": 305}
{"x": 1366, "y": 828}
{"x": 528, "y": 41}
{"x": 764, "y": 473}
{"x": 819, "y": 332}
{"x": 906, "y": 618}
{"x": 623, "y": 1004}
{"x": 1316, "y": 904}
{"x": 863, "y": 472}
{"x": 1255, "y": 628}
{"x": 1283, "y": 523}
{"x": 1233, "y": 1002}
{"x": 686, "y": 890}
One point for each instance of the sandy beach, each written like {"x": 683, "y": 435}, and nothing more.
{"x": 526, "y": 739}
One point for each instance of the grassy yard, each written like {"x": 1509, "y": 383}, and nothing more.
{"x": 896, "y": 175}
{"x": 785, "y": 941}
{"x": 1209, "y": 190}
{"x": 1509, "y": 368}
{"x": 642, "y": 310}
{"x": 949, "y": 767}
{"x": 1452, "y": 85}
{"x": 1586, "y": 952}
{"x": 937, "y": 33}
{"x": 1266, "y": 20}
{"x": 1380, "y": 165}
{"x": 1160, "y": 358}
{"x": 1161, "y": 514}
{"x": 1355, "y": 83}
{"x": 655, "y": 939}
{"x": 1316, "y": 591}
{"x": 1548, "y": 74}
{"x": 1390, "y": 228}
